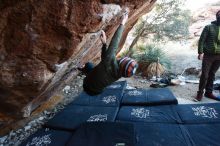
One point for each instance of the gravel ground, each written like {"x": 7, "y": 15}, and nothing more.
{"x": 15, "y": 137}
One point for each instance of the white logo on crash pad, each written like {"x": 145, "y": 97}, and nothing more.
{"x": 140, "y": 113}
{"x": 109, "y": 99}
{"x": 134, "y": 93}
{"x": 114, "y": 86}
{"x": 40, "y": 141}
{"x": 206, "y": 112}
{"x": 97, "y": 118}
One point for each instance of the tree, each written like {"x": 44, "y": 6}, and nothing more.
{"x": 167, "y": 21}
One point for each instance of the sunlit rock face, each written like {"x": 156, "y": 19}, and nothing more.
{"x": 201, "y": 18}
{"x": 36, "y": 36}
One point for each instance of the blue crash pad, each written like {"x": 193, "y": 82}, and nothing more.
{"x": 150, "y": 114}
{"x": 135, "y": 97}
{"x": 159, "y": 96}
{"x": 157, "y": 134}
{"x": 199, "y": 113}
{"x": 204, "y": 134}
{"x": 119, "y": 85}
{"x": 46, "y": 137}
{"x": 73, "y": 116}
{"x": 107, "y": 98}
{"x": 111, "y": 96}
{"x": 103, "y": 134}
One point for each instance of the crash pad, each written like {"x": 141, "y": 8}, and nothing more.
{"x": 135, "y": 97}
{"x": 103, "y": 134}
{"x": 48, "y": 137}
{"x": 150, "y": 114}
{"x": 161, "y": 96}
{"x": 199, "y": 113}
{"x": 71, "y": 117}
{"x": 204, "y": 134}
{"x": 158, "y": 96}
{"x": 111, "y": 96}
{"x": 160, "y": 134}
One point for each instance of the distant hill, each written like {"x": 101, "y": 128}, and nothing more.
{"x": 201, "y": 18}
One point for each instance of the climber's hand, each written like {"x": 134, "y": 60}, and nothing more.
{"x": 200, "y": 56}
{"x": 103, "y": 37}
{"x": 124, "y": 18}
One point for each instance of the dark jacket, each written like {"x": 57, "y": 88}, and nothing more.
{"x": 208, "y": 42}
{"x": 107, "y": 71}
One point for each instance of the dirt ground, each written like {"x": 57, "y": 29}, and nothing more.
{"x": 181, "y": 56}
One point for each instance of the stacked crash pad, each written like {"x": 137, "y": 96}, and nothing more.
{"x": 147, "y": 97}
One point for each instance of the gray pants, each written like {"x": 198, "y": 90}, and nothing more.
{"x": 210, "y": 65}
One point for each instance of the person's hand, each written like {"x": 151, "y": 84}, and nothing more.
{"x": 103, "y": 37}
{"x": 124, "y": 18}
{"x": 200, "y": 56}
{"x": 80, "y": 68}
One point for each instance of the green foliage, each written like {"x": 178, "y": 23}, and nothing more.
{"x": 167, "y": 21}
{"x": 174, "y": 29}
{"x": 151, "y": 53}
{"x": 125, "y": 53}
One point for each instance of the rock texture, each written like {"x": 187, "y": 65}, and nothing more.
{"x": 41, "y": 41}
{"x": 201, "y": 18}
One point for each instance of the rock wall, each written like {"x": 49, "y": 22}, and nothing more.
{"x": 201, "y": 18}
{"x": 43, "y": 40}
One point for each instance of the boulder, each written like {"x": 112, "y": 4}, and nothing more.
{"x": 42, "y": 42}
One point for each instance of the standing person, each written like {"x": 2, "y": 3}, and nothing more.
{"x": 109, "y": 69}
{"x": 209, "y": 53}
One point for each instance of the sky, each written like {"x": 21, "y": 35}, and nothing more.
{"x": 195, "y": 4}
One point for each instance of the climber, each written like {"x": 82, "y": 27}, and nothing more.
{"x": 109, "y": 69}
